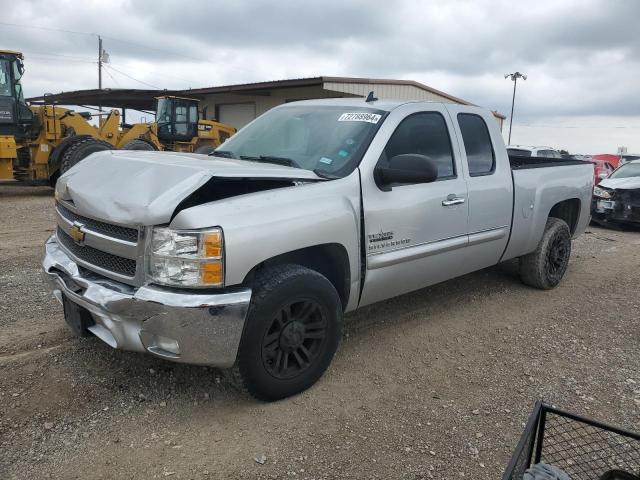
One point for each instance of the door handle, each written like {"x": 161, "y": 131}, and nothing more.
{"x": 452, "y": 200}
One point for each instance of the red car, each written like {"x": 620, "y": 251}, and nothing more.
{"x": 601, "y": 170}
{"x": 614, "y": 160}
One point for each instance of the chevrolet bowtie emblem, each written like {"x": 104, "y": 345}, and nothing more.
{"x": 76, "y": 232}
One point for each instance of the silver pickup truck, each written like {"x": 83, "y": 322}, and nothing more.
{"x": 247, "y": 260}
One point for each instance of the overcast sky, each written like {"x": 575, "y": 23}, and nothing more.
{"x": 582, "y": 57}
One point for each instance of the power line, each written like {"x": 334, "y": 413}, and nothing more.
{"x": 166, "y": 52}
{"x": 60, "y": 59}
{"x": 158, "y": 73}
{"x": 52, "y": 29}
{"x": 156, "y": 49}
{"x": 113, "y": 39}
{"x": 112, "y": 78}
{"x": 59, "y": 55}
{"x": 132, "y": 78}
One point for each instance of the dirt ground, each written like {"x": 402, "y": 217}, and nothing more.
{"x": 434, "y": 384}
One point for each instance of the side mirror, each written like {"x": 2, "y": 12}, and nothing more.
{"x": 408, "y": 168}
{"x": 603, "y": 175}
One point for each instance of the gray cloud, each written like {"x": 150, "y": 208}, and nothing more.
{"x": 582, "y": 56}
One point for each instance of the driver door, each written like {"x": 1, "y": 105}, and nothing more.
{"x": 415, "y": 233}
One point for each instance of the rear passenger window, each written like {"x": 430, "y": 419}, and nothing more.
{"x": 477, "y": 143}
{"x": 423, "y": 134}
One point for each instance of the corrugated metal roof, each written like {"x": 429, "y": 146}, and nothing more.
{"x": 144, "y": 99}
{"x": 313, "y": 81}
{"x": 135, "y": 99}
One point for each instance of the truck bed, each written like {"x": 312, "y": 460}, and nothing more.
{"x": 538, "y": 186}
{"x": 521, "y": 162}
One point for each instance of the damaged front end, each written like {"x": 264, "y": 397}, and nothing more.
{"x": 612, "y": 205}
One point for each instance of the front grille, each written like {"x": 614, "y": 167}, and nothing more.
{"x": 115, "y": 231}
{"x": 92, "y": 256}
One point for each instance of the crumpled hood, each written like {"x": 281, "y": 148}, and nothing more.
{"x": 143, "y": 188}
{"x": 622, "y": 183}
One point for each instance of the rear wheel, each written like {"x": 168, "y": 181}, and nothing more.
{"x": 139, "y": 144}
{"x": 81, "y": 149}
{"x": 292, "y": 331}
{"x": 545, "y": 267}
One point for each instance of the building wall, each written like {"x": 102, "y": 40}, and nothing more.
{"x": 278, "y": 96}
{"x": 272, "y": 98}
{"x": 399, "y": 92}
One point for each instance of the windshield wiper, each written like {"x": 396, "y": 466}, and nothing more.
{"x": 223, "y": 154}
{"x": 287, "y": 162}
{"x": 324, "y": 174}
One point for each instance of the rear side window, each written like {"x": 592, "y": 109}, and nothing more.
{"x": 477, "y": 143}
{"x": 517, "y": 152}
{"x": 424, "y": 134}
{"x": 549, "y": 154}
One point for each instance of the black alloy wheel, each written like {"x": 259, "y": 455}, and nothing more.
{"x": 558, "y": 256}
{"x": 291, "y": 333}
{"x": 294, "y": 340}
{"x": 545, "y": 267}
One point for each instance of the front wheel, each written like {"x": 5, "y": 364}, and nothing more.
{"x": 292, "y": 331}
{"x": 545, "y": 267}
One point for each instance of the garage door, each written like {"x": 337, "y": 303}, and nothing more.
{"x": 237, "y": 114}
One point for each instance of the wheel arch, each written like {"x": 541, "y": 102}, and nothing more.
{"x": 569, "y": 211}
{"x": 329, "y": 259}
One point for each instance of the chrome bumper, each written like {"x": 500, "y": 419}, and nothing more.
{"x": 188, "y": 327}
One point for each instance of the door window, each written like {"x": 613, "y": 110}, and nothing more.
{"x": 423, "y": 134}
{"x": 481, "y": 158}
{"x": 5, "y": 79}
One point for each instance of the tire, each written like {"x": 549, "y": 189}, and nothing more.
{"x": 205, "y": 149}
{"x": 80, "y": 150}
{"x": 545, "y": 267}
{"x": 293, "y": 329}
{"x": 139, "y": 144}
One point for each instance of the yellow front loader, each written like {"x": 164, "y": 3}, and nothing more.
{"x": 37, "y": 143}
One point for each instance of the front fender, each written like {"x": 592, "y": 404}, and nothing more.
{"x": 263, "y": 225}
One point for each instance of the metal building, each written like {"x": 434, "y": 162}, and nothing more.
{"x": 237, "y": 105}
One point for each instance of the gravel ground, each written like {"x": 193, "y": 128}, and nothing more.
{"x": 433, "y": 384}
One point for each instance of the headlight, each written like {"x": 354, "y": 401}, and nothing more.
{"x": 601, "y": 192}
{"x": 186, "y": 258}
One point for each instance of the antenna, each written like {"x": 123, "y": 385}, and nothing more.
{"x": 371, "y": 97}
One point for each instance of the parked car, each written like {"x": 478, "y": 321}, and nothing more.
{"x": 628, "y": 158}
{"x": 614, "y": 160}
{"x": 617, "y": 198}
{"x": 601, "y": 170}
{"x": 247, "y": 260}
{"x": 525, "y": 151}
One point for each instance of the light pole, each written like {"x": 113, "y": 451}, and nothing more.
{"x": 514, "y": 76}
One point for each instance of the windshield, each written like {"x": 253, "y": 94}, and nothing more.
{"x": 627, "y": 170}
{"x": 163, "y": 112}
{"x": 5, "y": 79}
{"x": 325, "y": 139}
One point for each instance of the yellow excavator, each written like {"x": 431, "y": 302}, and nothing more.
{"x": 38, "y": 143}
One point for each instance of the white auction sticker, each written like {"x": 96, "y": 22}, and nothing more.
{"x": 360, "y": 117}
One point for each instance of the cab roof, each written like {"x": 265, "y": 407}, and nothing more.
{"x": 12, "y": 52}
{"x": 383, "y": 104}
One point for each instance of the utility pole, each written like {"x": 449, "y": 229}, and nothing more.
{"x": 99, "y": 66}
{"x": 514, "y": 77}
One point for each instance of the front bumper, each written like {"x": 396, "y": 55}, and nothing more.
{"x": 178, "y": 325}
{"x": 616, "y": 211}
